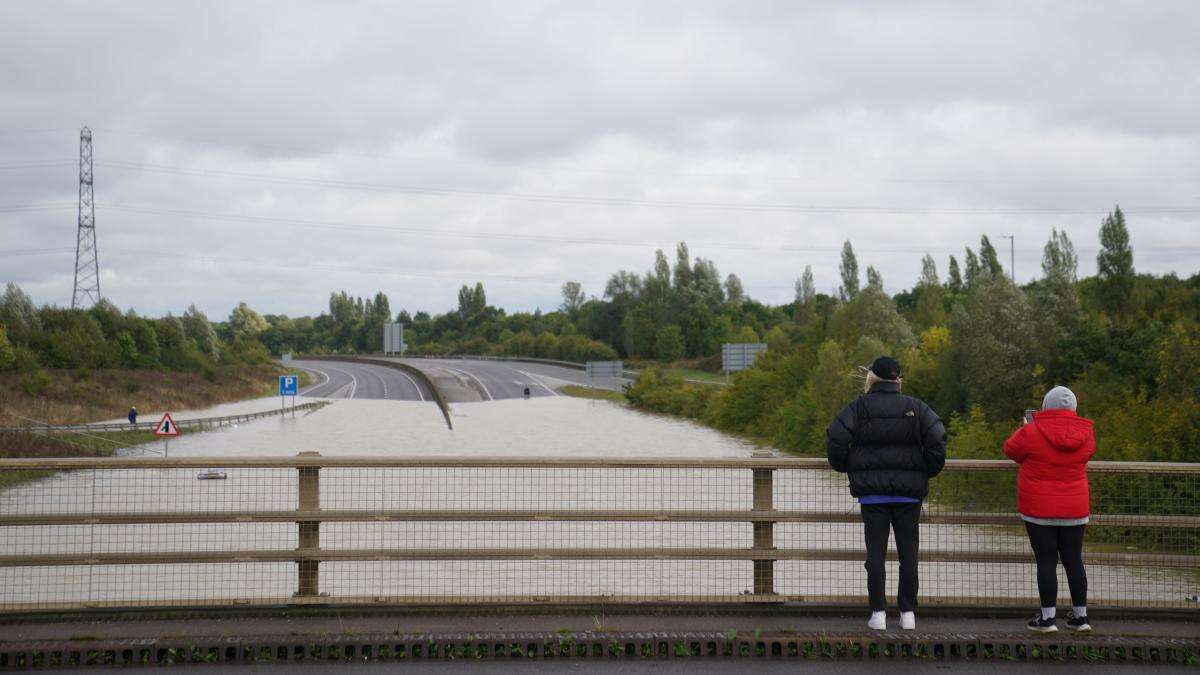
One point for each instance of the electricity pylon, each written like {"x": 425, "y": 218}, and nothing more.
{"x": 87, "y": 264}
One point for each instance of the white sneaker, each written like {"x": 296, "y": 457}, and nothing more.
{"x": 908, "y": 620}
{"x": 878, "y": 621}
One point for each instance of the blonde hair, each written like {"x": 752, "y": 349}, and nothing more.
{"x": 872, "y": 378}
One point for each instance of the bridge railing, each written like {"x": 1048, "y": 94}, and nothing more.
{"x": 153, "y": 532}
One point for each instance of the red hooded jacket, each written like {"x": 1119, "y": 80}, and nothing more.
{"x": 1053, "y": 453}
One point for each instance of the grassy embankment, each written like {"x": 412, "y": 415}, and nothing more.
{"x": 74, "y": 397}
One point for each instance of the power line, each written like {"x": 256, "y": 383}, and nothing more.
{"x": 549, "y": 239}
{"x": 615, "y": 201}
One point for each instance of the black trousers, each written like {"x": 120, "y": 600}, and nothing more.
{"x": 1050, "y": 544}
{"x": 878, "y": 521}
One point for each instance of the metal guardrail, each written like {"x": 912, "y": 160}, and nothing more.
{"x": 402, "y": 531}
{"x": 193, "y": 423}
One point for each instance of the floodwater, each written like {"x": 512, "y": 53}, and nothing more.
{"x": 543, "y": 427}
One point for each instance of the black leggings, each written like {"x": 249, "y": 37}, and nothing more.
{"x": 1050, "y": 543}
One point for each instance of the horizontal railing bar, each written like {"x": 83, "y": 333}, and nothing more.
{"x": 555, "y": 599}
{"x": 490, "y": 554}
{"x": 795, "y": 463}
{"x": 425, "y": 515}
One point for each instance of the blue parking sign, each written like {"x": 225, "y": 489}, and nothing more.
{"x": 288, "y": 385}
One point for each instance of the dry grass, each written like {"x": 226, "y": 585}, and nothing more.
{"x": 74, "y": 397}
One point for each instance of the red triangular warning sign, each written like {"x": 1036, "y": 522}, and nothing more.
{"x": 166, "y": 426}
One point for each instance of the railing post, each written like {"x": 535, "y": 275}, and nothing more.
{"x": 764, "y": 532}
{"x": 309, "y": 491}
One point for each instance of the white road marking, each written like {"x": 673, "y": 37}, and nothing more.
{"x": 308, "y": 390}
{"x": 353, "y": 380}
{"x": 414, "y": 384}
{"x": 481, "y": 384}
{"x": 539, "y": 382}
{"x": 380, "y": 378}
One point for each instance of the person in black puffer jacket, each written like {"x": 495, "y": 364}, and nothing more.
{"x": 890, "y": 445}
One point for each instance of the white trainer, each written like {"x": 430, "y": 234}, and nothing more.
{"x": 908, "y": 620}
{"x": 878, "y": 621}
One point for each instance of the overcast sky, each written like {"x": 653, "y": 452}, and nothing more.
{"x": 272, "y": 152}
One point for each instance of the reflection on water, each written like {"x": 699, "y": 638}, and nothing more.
{"x": 549, "y": 427}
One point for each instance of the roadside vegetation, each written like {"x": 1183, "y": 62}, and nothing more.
{"x": 579, "y": 391}
{"x": 980, "y": 350}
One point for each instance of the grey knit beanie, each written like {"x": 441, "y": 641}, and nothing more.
{"x": 1059, "y": 398}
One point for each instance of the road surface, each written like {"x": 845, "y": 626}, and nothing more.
{"x": 339, "y": 379}
{"x": 509, "y": 379}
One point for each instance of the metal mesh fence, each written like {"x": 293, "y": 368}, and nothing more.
{"x": 158, "y": 532}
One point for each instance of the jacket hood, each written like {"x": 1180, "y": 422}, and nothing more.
{"x": 1063, "y": 429}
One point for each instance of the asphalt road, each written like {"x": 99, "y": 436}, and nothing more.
{"x": 508, "y": 379}
{"x": 337, "y": 379}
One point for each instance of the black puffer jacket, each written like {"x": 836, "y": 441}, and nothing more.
{"x": 889, "y": 443}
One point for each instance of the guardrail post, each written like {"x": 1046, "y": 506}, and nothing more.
{"x": 764, "y": 531}
{"x": 309, "y": 487}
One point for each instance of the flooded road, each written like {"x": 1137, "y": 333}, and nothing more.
{"x": 543, "y": 427}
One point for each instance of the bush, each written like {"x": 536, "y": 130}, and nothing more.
{"x": 35, "y": 383}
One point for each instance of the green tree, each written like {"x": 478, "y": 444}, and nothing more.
{"x": 471, "y": 302}
{"x": 744, "y": 335}
{"x": 849, "y": 272}
{"x": 1115, "y": 263}
{"x": 668, "y": 344}
{"x": 18, "y": 313}
{"x": 988, "y": 260}
{"x": 873, "y": 314}
{"x": 127, "y": 349}
{"x": 806, "y": 297}
{"x": 929, "y": 275}
{"x": 996, "y": 344}
{"x": 874, "y": 278}
{"x": 973, "y": 271}
{"x": 955, "y": 281}
{"x": 683, "y": 267}
{"x": 197, "y": 327}
{"x": 734, "y": 293}
{"x": 8, "y": 357}
{"x": 1055, "y": 302}
{"x": 573, "y": 297}
{"x": 245, "y": 322}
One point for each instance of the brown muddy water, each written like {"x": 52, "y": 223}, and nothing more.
{"x": 544, "y": 427}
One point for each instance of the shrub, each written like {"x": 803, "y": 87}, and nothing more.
{"x": 35, "y": 383}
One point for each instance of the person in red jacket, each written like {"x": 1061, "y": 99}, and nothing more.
{"x": 1052, "y": 497}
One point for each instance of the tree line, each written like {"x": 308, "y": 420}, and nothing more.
{"x": 980, "y": 349}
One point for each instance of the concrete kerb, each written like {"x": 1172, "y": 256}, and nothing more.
{"x": 605, "y": 634}
{"x": 417, "y": 373}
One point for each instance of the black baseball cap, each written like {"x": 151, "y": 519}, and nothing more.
{"x": 886, "y": 368}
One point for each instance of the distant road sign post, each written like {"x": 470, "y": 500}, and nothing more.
{"x": 393, "y": 339}
{"x": 289, "y": 385}
{"x": 613, "y": 369}
{"x": 165, "y": 429}
{"x": 739, "y": 356}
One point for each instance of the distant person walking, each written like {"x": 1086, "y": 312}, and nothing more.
{"x": 132, "y": 415}
{"x": 1053, "y": 449}
{"x": 890, "y": 445}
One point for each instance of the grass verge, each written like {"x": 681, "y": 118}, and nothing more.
{"x": 579, "y": 391}
{"x": 80, "y": 396}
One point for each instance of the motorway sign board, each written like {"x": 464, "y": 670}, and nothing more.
{"x": 288, "y": 385}
{"x": 166, "y": 426}
{"x": 740, "y": 356}
{"x": 605, "y": 368}
{"x": 393, "y": 338}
